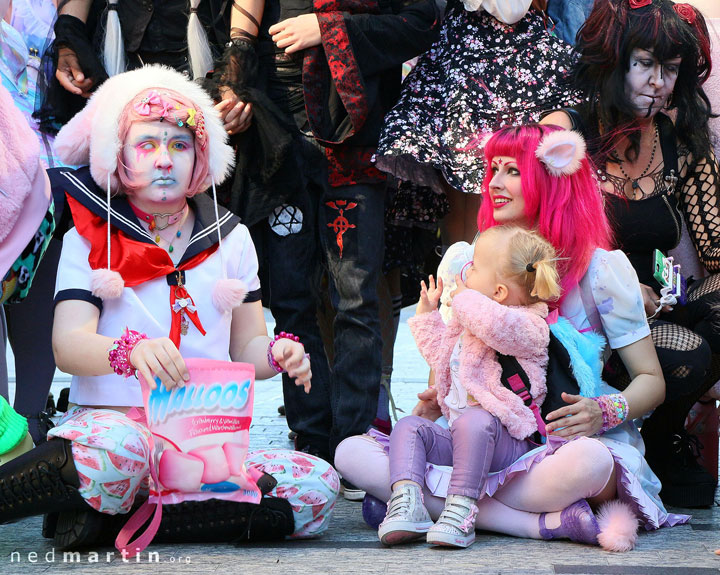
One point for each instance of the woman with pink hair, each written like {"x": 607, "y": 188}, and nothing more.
{"x": 538, "y": 177}
{"x": 643, "y": 68}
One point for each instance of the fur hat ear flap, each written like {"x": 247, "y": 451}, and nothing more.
{"x": 561, "y": 152}
{"x": 72, "y": 143}
{"x": 106, "y": 284}
{"x": 228, "y": 294}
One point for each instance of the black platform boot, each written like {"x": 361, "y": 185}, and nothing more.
{"x": 217, "y": 520}
{"x": 43, "y": 480}
{"x": 211, "y": 521}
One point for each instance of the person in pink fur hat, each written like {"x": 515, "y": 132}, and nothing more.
{"x": 153, "y": 272}
{"x": 498, "y": 309}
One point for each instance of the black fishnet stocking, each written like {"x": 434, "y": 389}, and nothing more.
{"x": 700, "y": 199}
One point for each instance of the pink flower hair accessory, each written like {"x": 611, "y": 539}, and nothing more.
{"x": 561, "y": 152}
{"x": 686, "y": 13}
{"x": 634, "y": 4}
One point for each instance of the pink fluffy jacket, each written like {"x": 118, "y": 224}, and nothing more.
{"x": 24, "y": 185}
{"x": 488, "y": 327}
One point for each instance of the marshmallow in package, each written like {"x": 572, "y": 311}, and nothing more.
{"x": 201, "y": 433}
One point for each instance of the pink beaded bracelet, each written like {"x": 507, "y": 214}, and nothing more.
{"x": 614, "y": 410}
{"x": 119, "y": 352}
{"x": 271, "y": 360}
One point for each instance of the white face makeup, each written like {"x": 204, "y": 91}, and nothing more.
{"x": 160, "y": 156}
{"x": 649, "y": 83}
{"x": 506, "y": 191}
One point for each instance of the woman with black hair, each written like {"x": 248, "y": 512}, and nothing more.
{"x": 641, "y": 68}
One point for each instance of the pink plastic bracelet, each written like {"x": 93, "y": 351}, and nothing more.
{"x": 271, "y": 360}
{"x": 119, "y": 352}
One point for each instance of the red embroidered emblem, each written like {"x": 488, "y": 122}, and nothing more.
{"x": 341, "y": 224}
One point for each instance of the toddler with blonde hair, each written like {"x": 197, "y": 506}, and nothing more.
{"x": 498, "y": 309}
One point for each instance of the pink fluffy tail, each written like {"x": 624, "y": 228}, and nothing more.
{"x": 618, "y": 526}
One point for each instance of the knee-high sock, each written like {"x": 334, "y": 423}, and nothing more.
{"x": 578, "y": 470}
{"x": 362, "y": 461}
{"x": 30, "y": 331}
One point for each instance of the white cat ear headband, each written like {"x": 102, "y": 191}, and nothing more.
{"x": 562, "y": 152}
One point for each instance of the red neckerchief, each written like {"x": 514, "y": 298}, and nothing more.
{"x": 138, "y": 262}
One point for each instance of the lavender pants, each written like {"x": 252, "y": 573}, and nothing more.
{"x": 476, "y": 444}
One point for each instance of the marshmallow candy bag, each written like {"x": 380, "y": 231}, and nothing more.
{"x": 201, "y": 433}
{"x": 200, "y": 437}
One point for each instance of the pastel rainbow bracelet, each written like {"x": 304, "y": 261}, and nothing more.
{"x": 614, "y": 410}
{"x": 119, "y": 352}
{"x": 272, "y": 362}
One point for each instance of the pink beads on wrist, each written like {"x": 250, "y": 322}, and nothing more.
{"x": 614, "y": 410}
{"x": 272, "y": 362}
{"x": 119, "y": 352}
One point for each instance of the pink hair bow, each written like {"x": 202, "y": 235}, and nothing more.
{"x": 143, "y": 106}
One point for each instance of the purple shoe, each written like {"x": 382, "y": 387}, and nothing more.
{"x": 577, "y": 523}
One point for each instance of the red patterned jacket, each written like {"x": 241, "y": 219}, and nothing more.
{"x": 353, "y": 79}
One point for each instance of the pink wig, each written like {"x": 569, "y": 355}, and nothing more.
{"x": 179, "y": 113}
{"x": 567, "y": 210}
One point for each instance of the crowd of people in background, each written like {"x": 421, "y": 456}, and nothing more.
{"x": 526, "y": 159}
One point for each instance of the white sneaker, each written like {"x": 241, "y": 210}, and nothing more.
{"x": 406, "y": 518}
{"x": 456, "y": 525}
{"x": 351, "y": 492}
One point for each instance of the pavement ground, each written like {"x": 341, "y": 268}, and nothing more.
{"x": 350, "y": 546}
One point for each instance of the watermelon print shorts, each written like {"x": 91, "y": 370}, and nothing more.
{"x": 112, "y": 453}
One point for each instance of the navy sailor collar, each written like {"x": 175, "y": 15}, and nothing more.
{"x": 79, "y": 185}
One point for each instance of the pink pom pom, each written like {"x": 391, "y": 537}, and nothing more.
{"x": 618, "y": 526}
{"x": 106, "y": 284}
{"x": 228, "y": 294}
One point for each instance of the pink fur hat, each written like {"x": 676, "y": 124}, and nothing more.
{"x": 91, "y": 137}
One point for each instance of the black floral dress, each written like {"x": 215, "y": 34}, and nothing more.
{"x": 479, "y": 76}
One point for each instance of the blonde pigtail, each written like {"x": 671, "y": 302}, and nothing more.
{"x": 546, "y": 286}
{"x": 531, "y": 264}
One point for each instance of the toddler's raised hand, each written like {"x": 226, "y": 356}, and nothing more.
{"x": 429, "y": 295}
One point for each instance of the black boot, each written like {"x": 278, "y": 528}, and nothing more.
{"x": 685, "y": 483}
{"x": 39, "y": 424}
{"x": 43, "y": 480}
{"x": 216, "y": 520}
{"x": 211, "y": 521}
